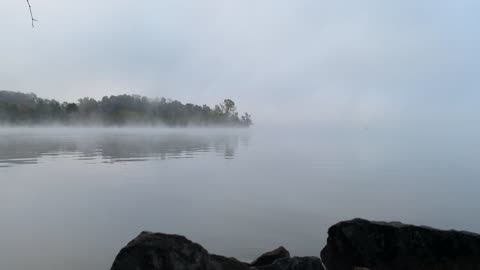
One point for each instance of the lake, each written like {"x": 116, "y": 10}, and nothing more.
{"x": 71, "y": 198}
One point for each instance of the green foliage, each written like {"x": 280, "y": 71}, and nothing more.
{"x": 21, "y": 108}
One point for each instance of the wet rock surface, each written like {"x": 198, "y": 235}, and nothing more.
{"x": 363, "y": 244}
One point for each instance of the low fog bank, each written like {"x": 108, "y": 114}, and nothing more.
{"x": 130, "y": 124}
{"x": 60, "y": 129}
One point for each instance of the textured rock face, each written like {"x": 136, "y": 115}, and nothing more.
{"x": 394, "y": 246}
{"x": 156, "y": 251}
{"x": 223, "y": 263}
{"x": 270, "y": 257}
{"x": 352, "y": 245}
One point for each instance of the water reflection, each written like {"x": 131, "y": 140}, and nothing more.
{"x": 23, "y": 148}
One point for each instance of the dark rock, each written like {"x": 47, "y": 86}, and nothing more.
{"x": 156, "y": 251}
{"x": 396, "y": 246}
{"x": 220, "y": 263}
{"x": 295, "y": 263}
{"x": 271, "y": 256}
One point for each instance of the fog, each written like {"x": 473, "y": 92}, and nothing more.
{"x": 301, "y": 63}
{"x": 360, "y": 109}
{"x": 22, "y": 145}
{"x": 72, "y": 197}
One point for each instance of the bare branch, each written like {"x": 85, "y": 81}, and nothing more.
{"x": 31, "y": 13}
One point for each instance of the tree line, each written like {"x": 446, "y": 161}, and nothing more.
{"x": 22, "y": 108}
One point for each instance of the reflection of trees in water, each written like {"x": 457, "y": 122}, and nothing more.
{"x": 27, "y": 149}
{"x": 227, "y": 149}
{"x": 164, "y": 147}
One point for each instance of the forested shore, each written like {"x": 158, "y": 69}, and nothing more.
{"x": 18, "y": 108}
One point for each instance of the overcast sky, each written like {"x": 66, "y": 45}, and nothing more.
{"x": 313, "y": 60}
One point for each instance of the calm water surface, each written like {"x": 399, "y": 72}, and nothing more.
{"x": 71, "y": 198}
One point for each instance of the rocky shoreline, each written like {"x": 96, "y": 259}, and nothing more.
{"x": 356, "y": 244}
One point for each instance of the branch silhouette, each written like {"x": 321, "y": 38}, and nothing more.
{"x": 31, "y": 14}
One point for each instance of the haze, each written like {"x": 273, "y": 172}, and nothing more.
{"x": 360, "y": 109}
{"x": 366, "y": 63}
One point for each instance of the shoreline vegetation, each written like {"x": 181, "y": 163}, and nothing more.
{"x": 18, "y": 109}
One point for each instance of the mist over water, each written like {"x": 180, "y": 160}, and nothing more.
{"x": 360, "y": 109}
{"x": 110, "y": 145}
{"x": 70, "y": 198}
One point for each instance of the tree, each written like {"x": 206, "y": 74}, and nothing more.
{"x": 246, "y": 119}
{"x": 229, "y": 106}
{"x": 20, "y": 108}
{"x": 87, "y": 106}
{"x": 70, "y": 108}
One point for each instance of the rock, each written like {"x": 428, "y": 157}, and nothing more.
{"x": 271, "y": 256}
{"x": 157, "y": 251}
{"x": 219, "y": 263}
{"x": 396, "y": 246}
{"x": 295, "y": 263}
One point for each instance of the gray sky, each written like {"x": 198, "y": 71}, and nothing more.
{"x": 360, "y": 62}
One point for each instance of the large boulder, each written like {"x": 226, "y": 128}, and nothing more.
{"x": 157, "y": 251}
{"x": 271, "y": 256}
{"x": 362, "y": 244}
{"x": 218, "y": 262}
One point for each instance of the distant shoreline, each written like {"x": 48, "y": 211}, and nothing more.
{"x": 21, "y": 109}
{"x": 121, "y": 126}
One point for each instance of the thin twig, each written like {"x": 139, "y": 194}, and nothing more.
{"x": 31, "y": 14}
